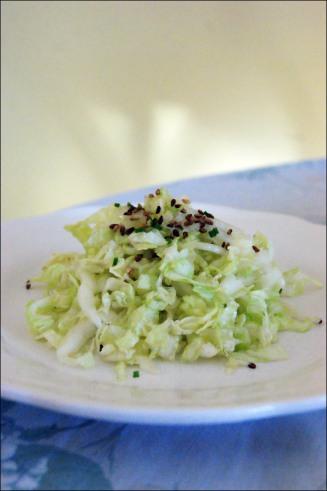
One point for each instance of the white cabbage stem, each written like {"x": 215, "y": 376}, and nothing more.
{"x": 75, "y": 338}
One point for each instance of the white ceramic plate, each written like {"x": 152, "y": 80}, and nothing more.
{"x": 179, "y": 393}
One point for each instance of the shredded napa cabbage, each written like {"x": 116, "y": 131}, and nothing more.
{"x": 162, "y": 280}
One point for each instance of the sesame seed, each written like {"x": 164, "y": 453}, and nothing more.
{"x": 160, "y": 220}
{"x": 185, "y": 234}
{"x": 223, "y": 245}
{"x": 255, "y": 248}
{"x": 252, "y": 365}
{"x": 28, "y": 284}
{"x": 113, "y": 226}
{"x": 201, "y": 212}
{"x": 280, "y": 290}
{"x": 151, "y": 195}
{"x": 158, "y": 209}
{"x": 101, "y": 347}
{"x": 173, "y": 202}
{"x": 175, "y": 232}
{"x": 122, "y": 230}
{"x": 320, "y": 322}
{"x": 130, "y": 230}
{"x": 158, "y": 192}
{"x": 178, "y": 205}
{"x": 138, "y": 257}
{"x": 209, "y": 215}
{"x": 229, "y": 231}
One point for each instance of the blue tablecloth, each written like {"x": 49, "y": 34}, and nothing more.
{"x": 46, "y": 450}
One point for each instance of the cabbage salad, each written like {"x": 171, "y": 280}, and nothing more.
{"x": 164, "y": 281}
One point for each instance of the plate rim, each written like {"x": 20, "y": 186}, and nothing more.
{"x": 168, "y": 416}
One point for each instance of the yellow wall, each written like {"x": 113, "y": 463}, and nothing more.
{"x": 101, "y": 97}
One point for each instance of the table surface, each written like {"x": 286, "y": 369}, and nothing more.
{"x": 47, "y": 450}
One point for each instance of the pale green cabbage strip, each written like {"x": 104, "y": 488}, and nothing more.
{"x": 152, "y": 292}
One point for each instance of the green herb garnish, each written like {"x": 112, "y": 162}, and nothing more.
{"x": 214, "y": 232}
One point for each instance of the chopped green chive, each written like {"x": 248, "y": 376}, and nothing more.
{"x": 136, "y": 374}
{"x": 117, "y": 205}
{"x": 214, "y": 232}
{"x": 155, "y": 224}
{"x": 115, "y": 261}
{"x": 139, "y": 229}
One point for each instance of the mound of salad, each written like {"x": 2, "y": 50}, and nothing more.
{"x": 164, "y": 281}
